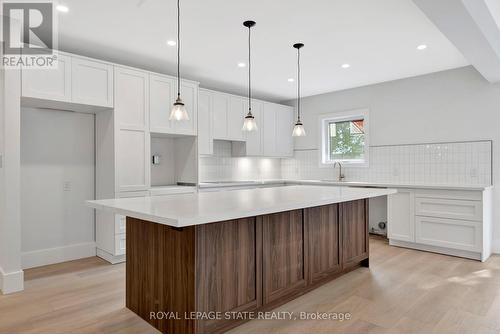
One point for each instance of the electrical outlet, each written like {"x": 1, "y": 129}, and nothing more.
{"x": 395, "y": 172}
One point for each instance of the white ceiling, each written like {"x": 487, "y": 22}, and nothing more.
{"x": 378, "y": 38}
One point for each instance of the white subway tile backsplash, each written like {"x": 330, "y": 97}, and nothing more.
{"x": 223, "y": 167}
{"x": 466, "y": 163}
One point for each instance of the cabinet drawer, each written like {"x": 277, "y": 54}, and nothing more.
{"x": 449, "y": 233}
{"x": 120, "y": 244}
{"x": 449, "y": 208}
{"x": 120, "y": 224}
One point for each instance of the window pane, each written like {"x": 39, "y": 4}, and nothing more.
{"x": 347, "y": 140}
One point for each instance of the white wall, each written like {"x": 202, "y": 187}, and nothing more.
{"x": 57, "y": 176}
{"x": 454, "y": 105}
{"x": 178, "y": 160}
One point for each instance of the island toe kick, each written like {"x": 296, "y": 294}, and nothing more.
{"x": 209, "y": 278}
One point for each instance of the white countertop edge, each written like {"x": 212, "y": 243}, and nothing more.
{"x": 212, "y": 185}
{"x": 231, "y": 216}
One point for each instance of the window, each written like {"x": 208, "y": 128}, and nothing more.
{"x": 344, "y": 138}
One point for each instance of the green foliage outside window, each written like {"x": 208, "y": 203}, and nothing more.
{"x": 347, "y": 140}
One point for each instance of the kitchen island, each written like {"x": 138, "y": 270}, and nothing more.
{"x": 206, "y": 262}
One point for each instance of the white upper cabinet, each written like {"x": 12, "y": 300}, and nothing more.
{"x": 284, "y": 128}
{"x": 205, "y": 126}
{"x": 75, "y": 80}
{"x": 91, "y": 82}
{"x": 220, "y": 111}
{"x": 132, "y": 100}
{"x": 269, "y": 130}
{"x": 189, "y": 95}
{"x": 254, "y": 138}
{"x": 161, "y": 100}
{"x": 49, "y": 84}
{"x": 277, "y": 129}
{"x": 131, "y": 123}
{"x": 235, "y": 118}
{"x": 163, "y": 92}
{"x": 274, "y": 122}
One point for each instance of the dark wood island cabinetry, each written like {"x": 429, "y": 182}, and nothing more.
{"x": 244, "y": 265}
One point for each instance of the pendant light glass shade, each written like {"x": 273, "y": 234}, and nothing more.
{"x": 298, "y": 129}
{"x": 179, "y": 112}
{"x": 249, "y": 123}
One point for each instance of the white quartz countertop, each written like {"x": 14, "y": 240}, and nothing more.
{"x": 471, "y": 187}
{"x": 208, "y": 207}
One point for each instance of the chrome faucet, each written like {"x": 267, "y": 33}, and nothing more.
{"x": 341, "y": 176}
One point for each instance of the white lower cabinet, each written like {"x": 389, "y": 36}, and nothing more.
{"x": 442, "y": 221}
{"x": 111, "y": 231}
{"x": 401, "y": 216}
{"x": 449, "y": 233}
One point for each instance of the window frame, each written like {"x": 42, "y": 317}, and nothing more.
{"x": 324, "y": 143}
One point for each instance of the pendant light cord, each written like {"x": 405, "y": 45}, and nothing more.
{"x": 298, "y": 84}
{"x": 249, "y": 73}
{"x": 178, "y": 48}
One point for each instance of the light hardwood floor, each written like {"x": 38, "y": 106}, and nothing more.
{"x": 403, "y": 291}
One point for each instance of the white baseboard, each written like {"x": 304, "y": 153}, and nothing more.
{"x": 11, "y": 282}
{"x": 435, "y": 249}
{"x": 113, "y": 259}
{"x": 47, "y": 256}
{"x": 495, "y": 246}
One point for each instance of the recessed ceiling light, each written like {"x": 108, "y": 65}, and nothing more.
{"x": 346, "y": 65}
{"x": 171, "y": 43}
{"x": 422, "y": 47}
{"x": 62, "y": 8}
{"x": 291, "y": 79}
{"x": 242, "y": 64}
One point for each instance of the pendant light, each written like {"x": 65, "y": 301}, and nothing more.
{"x": 298, "y": 129}
{"x": 249, "y": 123}
{"x": 179, "y": 112}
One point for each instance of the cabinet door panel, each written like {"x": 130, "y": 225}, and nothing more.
{"x": 220, "y": 103}
{"x": 229, "y": 267}
{"x": 131, "y": 105}
{"x": 284, "y": 128}
{"x": 133, "y": 160}
{"x": 236, "y": 115}
{"x": 254, "y": 138}
{"x": 161, "y": 100}
{"x": 450, "y": 233}
{"x": 205, "y": 138}
{"x": 354, "y": 219}
{"x": 324, "y": 248}
{"x": 49, "y": 84}
{"x": 189, "y": 95}
{"x": 284, "y": 255}
{"x": 92, "y": 82}
{"x": 401, "y": 216}
{"x": 269, "y": 130}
